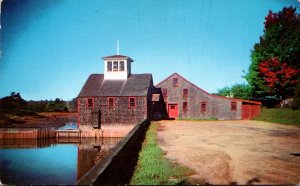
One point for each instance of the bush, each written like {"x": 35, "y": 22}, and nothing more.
{"x": 296, "y": 104}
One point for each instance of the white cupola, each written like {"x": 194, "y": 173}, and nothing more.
{"x": 117, "y": 67}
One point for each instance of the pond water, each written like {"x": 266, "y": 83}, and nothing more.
{"x": 44, "y": 161}
{"x": 68, "y": 126}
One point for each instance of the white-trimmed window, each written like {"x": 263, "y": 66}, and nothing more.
{"x": 121, "y": 66}
{"x": 115, "y": 66}
{"x": 109, "y": 66}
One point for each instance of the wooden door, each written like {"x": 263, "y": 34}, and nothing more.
{"x": 246, "y": 112}
{"x": 96, "y": 119}
{"x": 173, "y": 110}
{"x": 255, "y": 110}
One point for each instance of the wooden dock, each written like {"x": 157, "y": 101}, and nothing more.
{"x": 38, "y": 133}
{"x": 68, "y": 133}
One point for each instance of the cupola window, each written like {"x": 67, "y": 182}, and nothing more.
{"x": 121, "y": 66}
{"x": 109, "y": 66}
{"x": 115, "y": 66}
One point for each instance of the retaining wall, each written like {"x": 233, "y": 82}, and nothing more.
{"x": 118, "y": 165}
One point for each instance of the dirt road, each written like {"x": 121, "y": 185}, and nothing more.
{"x": 236, "y": 152}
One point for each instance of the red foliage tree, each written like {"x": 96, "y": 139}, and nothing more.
{"x": 279, "y": 77}
{"x": 270, "y": 19}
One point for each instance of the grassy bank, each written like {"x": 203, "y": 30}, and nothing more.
{"x": 280, "y": 115}
{"x": 153, "y": 168}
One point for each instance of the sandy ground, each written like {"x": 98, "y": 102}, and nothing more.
{"x": 234, "y": 152}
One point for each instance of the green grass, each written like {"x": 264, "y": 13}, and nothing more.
{"x": 280, "y": 115}
{"x": 153, "y": 168}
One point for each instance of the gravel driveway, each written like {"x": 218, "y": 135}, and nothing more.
{"x": 236, "y": 152}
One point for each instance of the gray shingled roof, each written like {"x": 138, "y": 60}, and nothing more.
{"x": 117, "y": 57}
{"x": 135, "y": 85}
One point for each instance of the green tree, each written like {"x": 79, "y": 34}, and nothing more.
{"x": 241, "y": 91}
{"x": 13, "y": 102}
{"x": 58, "y": 105}
{"x": 225, "y": 91}
{"x": 296, "y": 101}
{"x": 37, "y": 106}
{"x": 281, "y": 40}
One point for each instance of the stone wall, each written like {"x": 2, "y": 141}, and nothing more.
{"x": 106, "y": 131}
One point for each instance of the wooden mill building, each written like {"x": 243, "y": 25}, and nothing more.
{"x": 111, "y": 104}
{"x": 183, "y": 99}
{"x": 114, "y": 101}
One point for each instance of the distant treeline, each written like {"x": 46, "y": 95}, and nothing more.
{"x": 14, "y": 103}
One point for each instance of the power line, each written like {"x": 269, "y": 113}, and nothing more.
{"x": 206, "y": 26}
{"x": 140, "y": 30}
{"x": 198, "y": 39}
{"x": 185, "y": 36}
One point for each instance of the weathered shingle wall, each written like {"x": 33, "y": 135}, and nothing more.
{"x": 119, "y": 114}
{"x": 216, "y": 107}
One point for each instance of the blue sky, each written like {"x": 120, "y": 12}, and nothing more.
{"x": 50, "y": 47}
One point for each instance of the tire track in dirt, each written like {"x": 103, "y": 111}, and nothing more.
{"x": 234, "y": 152}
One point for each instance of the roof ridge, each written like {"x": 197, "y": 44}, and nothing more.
{"x": 175, "y": 73}
{"x": 122, "y": 89}
{"x": 212, "y": 95}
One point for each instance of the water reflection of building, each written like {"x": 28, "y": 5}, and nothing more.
{"x": 91, "y": 150}
{"x": 26, "y": 142}
{"x": 67, "y": 162}
{"x": 114, "y": 101}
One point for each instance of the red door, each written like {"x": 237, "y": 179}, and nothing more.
{"x": 246, "y": 112}
{"x": 173, "y": 110}
{"x": 255, "y": 110}
{"x": 250, "y": 111}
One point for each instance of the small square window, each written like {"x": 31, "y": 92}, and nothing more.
{"x": 115, "y": 67}
{"x": 233, "y": 106}
{"x": 121, "y": 67}
{"x": 111, "y": 102}
{"x": 175, "y": 82}
{"x": 203, "y": 106}
{"x": 185, "y": 106}
{"x": 109, "y": 66}
{"x": 185, "y": 92}
{"x": 132, "y": 103}
{"x": 90, "y": 103}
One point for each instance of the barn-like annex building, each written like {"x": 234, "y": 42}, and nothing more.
{"x": 111, "y": 104}
{"x": 183, "y": 99}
